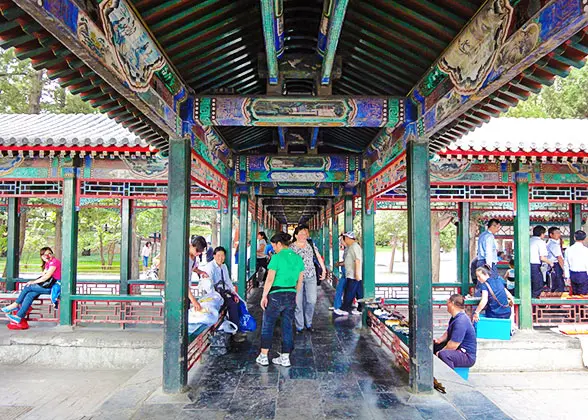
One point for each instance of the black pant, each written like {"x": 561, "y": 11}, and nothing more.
{"x": 579, "y": 280}
{"x": 536, "y": 280}
{"x": 557, "y": 281}
{"x": 353, "y": 290}
{"x": 231, "y": 305}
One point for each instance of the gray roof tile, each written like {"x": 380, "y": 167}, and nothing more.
{"x": 64, "y": 130}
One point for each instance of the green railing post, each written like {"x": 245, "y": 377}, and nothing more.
{"x": 348, "y": 221}
{"x": 319, "y": 240}
{"x": 327, "y": 243}
{"x": 253, "y": 252}
{"x": 242, "y": 263}
{"x": 335, "y": 244}
{"x": 125, "y": 245}
{"x": 576, "y": 210}
{"x": 522, "y": 254}
{"x": 175, "y": 324}
{"x": 13, "y": 243}
{"x": 463, "y": 245}
{"x": 368, "y": 230}
{"x": 69, "y": 247}
{"x": 419, "y": 267}
{"x": 226, "y": 227}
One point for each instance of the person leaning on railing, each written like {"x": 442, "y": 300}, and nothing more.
{"x": 51, "y": 267}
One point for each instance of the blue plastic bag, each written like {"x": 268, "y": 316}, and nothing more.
{"x": 246, "y": 322}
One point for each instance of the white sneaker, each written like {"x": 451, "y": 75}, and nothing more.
{"x": 340, "y": 312}
{"x": 331, "y": 308}
{"x": 282, "y": 360}
{"x": 262, "y": 359}
{"x": 355, "y": 312}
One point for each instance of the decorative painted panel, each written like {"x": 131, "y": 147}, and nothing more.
{"x": 312, "y": 169}
{"x": 208, "y": 144}
{"x": 340, "y": 207}
{"x": 392, "y": 175}
{"x": 208, "y": 177}
{"x": 302, "y": 111}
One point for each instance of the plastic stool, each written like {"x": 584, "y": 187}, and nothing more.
{"x": 463, "y": 372}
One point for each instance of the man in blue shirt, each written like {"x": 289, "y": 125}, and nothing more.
{"x": 487, "y": 254}
{"x": 457, "y": 346}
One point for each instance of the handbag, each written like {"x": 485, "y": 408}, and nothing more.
{"x": 317, "y": 266}
{"x": 246, "y": 322}
{"x": 510, "y": 302}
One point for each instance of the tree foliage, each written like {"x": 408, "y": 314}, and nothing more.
{"x": 566, "y": 98}
{"x": 17, "y": 80}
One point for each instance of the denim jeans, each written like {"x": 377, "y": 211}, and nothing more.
{"x": 339, "y": 293}
{"x": 353, "y": 290}
{"x": 305, "y": 303}
{"x": 27, "y": 296}
{"x": 284, "y": 304}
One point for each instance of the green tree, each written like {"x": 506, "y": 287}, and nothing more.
{"x": 24, "y": 90}
{"x": 566, "y": 98}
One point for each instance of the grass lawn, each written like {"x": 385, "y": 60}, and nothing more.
{"x": 30, "y": 263}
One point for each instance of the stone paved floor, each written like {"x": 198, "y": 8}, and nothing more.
{"x": 337, "y": 373}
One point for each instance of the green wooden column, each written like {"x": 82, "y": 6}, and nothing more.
{"x": 419, "y": 267}
{"x": 368, "y": 243}
{"x": 13, "y": 243}
{"x": 69, "y": 246}
{"x": 522, "y": 254}
{"x": 463, "y": 246}
{"x": 226, "y": 227}
{"x": 242, "y": 266}
{"x": 327, "y": 244}
{"x": 576, "y": 210}
{"x": 348, "y": 221}
{"x": 253, "y": 246}
{"x": 175, "y": 325}
{"x": 125, "y": 245}
{"x": 335, "y": 244}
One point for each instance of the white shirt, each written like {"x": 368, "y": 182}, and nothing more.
{"x": 576, "y": 259}
{"x": 217, "y": 275}
{"x": 553, "y": 250}
{"x": 487, "y": 248}
{"x": 537, "y": 249}
{"x": 146, "y": 251}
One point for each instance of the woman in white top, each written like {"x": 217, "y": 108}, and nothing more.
{"x": 146, "y": 253}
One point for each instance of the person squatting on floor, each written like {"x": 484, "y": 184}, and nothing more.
{"x": 353, "y": 270}
{"x": 576, "y": 264}
{"x": 457, "y": 346}
{"x": 284, "y": 280}
{"x": 306, "y": 297}
{"x": 51, "y": 267}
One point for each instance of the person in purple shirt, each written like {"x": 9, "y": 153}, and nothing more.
{"x": 33, "y": 289}
{"x": 457, "y": 346}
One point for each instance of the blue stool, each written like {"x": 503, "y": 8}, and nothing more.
{"x": 463, "y": 372}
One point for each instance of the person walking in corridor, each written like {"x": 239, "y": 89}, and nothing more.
{"x": 576, "y": 264}
{"x": 487, "y": 254}
{"x": 306, "y": 297}
{"x": 353, "y": 271}
{"x": 51, "y": 267}
{"x": 284, "y": 280}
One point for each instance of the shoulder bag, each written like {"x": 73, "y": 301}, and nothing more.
{"x": 317, "y": 265}
{"x": 510, "y": 302}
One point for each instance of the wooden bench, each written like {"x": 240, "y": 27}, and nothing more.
{"x": 200, "y": 339}
{"x": 42, "y": 309}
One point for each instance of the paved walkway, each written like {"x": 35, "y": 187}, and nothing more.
{"x": 338, "y": 372}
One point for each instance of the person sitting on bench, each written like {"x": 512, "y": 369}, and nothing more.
{"x": 51, "y": 267}
{"x": 457, "y": 346}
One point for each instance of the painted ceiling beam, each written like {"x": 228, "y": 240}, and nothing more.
{"x": 335, "y": 26}
{"x": 303, "y": 111}
{"x": 500, "y": 48}
{"x": 272, "y": 18}
{"x": 71, "y": 25}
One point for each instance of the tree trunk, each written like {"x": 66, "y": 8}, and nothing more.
{"x": 163, "y": 242}
{"x": 58, "y": 232}
{"x": 391, "y": 267}
{"x": 101, "y": 242}
{"x": 403, "y": 251}
{"x": 214, "y": 229}
{"x": 111, "y": 251}
{"x": 435, "y": 246}
{"x": 473, "y": 235}
{"x": 36, "y": 92}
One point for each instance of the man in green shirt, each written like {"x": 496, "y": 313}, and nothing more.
{"x": 284, "y": 279}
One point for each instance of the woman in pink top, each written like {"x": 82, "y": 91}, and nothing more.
{"x": 33, "y": 289}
